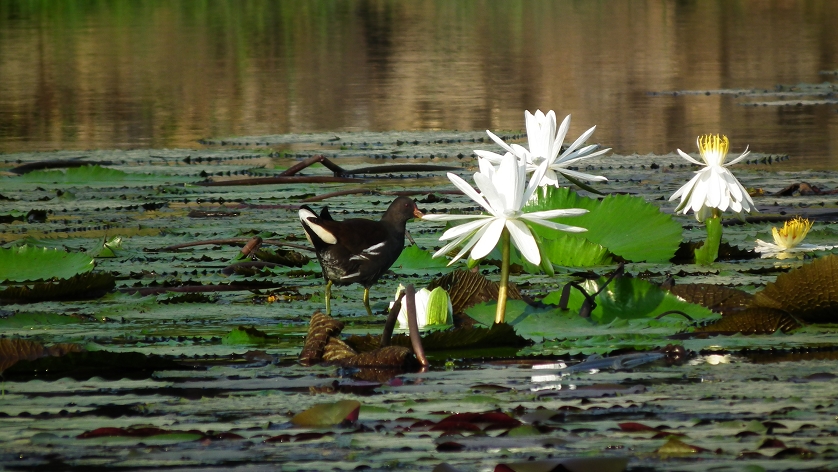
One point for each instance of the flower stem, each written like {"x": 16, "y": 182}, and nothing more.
{"x": 500, "y": 314}
{"x": 709, "y": 251}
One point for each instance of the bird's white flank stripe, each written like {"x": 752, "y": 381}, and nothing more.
{"x": 320, "y": 231}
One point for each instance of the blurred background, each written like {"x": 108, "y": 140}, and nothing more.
{"x": 116, "y": 74}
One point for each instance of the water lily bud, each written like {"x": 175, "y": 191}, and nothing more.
{"x": 439, "y": 309}
{"x": 432, "y": 308}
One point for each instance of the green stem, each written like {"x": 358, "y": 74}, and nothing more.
{"x": 709, "y": 251}
{"x": 500, "y": 314}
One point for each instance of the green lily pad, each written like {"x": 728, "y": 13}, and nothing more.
{"x": 82, "y": 175}
{"x": 628, "y": 226}
{"x": 629, "y": 298}
{"x": 30, "y": 263}
{"x": 413, "y": 259}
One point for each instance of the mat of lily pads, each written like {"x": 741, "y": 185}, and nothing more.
{"x": 119, "y": 354}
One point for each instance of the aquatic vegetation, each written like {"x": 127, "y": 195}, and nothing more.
{"x": 712, "y": 191}
{"x": 545, "y": 144}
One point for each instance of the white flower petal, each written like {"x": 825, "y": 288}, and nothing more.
{"x": 581, "y": 175}
{"x": 524, "y": 240}
{"x": 689, "y": 158}
{"x": 465, "y": 228}
{"x": 489, "y": 236}
{"x": 499, "y": 141}
{"x": 468, "y": 190}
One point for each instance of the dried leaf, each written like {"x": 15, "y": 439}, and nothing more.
{"x": 809, "y": 293}
{"x": 757, "y": 320}
{"x": 14, "y": 350}
{"x": 467, "y": 289}
{"x": 389, "y": 356}
{"x": 80, "y": 287}
{"x": 321, "y": 327}
{"x": 718, "y": 298}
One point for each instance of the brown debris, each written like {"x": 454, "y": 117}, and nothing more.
{"x": 467, "y": 289}
{"x": 323, "y": 345}
{"x": 718, "y": 298}
{"x": 320, "y": 329}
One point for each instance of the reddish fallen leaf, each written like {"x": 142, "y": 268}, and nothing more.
{"x": 450, "y": 446}
{"x": 455, "y": 426}
{"x": 634, "y": 427}
{"x": 795, "y": 452}
{"x": 310, "y": 436}
{"x": 282, "y": 438}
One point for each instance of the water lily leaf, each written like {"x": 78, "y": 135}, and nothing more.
{"x": 80, "y": 287}
{"x": 413, "y": 259}
{"x": 328, "y": 414}
{"x": 83, "y": 175}
{"x": 14, "y": 350}
{"x": 627, "y": 226}
{"x": 23, "y": 319}
{"x": 244, "y": 335}
{"x": 756, "y": 320}
{"x": 809, "y": 293}
{"x": 30, "y": 263}
{"x": 628, "y": 298}
{"x": 566, "y": 250}
{"x": 80, "y": 364}
{"x": 569, "y": 464}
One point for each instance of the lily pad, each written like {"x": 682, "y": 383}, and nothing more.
{"x": 328, "y": 414}
{"x": 628, "y": 226}
{"x": 30, "y": 263}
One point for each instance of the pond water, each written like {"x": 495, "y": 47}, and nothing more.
{"x": 111, "y": 74}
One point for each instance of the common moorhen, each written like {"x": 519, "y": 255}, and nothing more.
{"x": 357, "y": 250}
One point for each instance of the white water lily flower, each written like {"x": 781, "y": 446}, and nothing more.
{"x": 433, "y": 308}
{"x": 545, "y": 145}
{"x": 714, "y": 186}
{"x": 503, "y": 193}
{"x": 788, "y": 240}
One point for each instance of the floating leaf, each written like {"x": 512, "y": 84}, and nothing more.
{"x": 328, "y": 414}
{"x": 627, "y": 226}
{"x": 20, "y": 320}
{"x": 413, "y": 259}
{"x": 80, "y": 287}
{"x": 244, "y": 335}
{"x": 30, "y": 263}
{"x": 14, "y": 350}
{"x": 569, "y": 464}
{"x": 628, "y": 298}
{"x": 809, "y": 293}
{"x": 83, "y": 175}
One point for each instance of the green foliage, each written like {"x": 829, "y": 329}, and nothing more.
{"x": 29, "y": 263}
{"x": 627, "y": 226}
{"x": 414, "y": 259}
{"x": 244, "y": 336}
{"x": 628, "y": 298}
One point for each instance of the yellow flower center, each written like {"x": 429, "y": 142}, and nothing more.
{"x": 713, "y": 146}
{"x": 792, "y": 233}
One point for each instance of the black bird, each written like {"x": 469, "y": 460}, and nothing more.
{"x": 357, "y": 249}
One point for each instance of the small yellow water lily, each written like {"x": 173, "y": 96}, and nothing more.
{"x": 545, "y": 145}
{"x": 713, "y": 187}
{"x": 789, "y": 239}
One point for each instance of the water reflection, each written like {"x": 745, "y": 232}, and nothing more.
{"x": 80, "y": 74}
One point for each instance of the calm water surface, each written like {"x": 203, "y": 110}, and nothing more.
{"x": 116, "y": 74}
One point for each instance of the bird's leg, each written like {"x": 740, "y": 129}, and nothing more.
{"x": 329, "y": 297}
{"x": 367, "y": 300}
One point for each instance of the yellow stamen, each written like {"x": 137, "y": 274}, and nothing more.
{"x": 715, "y": 144}
{"x": 792, "y": 233}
